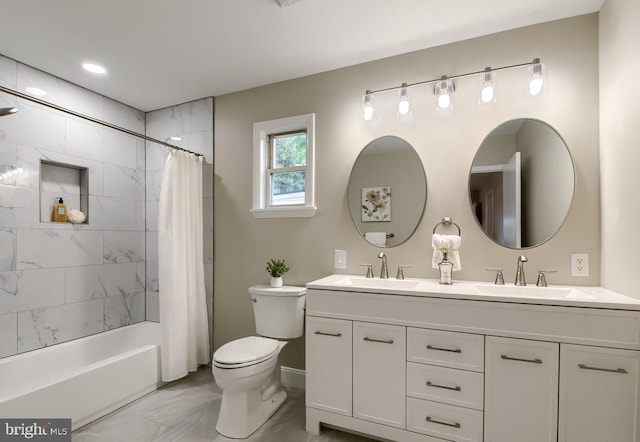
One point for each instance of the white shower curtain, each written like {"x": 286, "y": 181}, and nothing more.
{"x": 183, "y": 306}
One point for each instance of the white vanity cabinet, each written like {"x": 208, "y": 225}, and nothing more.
{"x": 521, "y": 390}
{"x": 599, "y": 394}
{"x": 420, "y": 365}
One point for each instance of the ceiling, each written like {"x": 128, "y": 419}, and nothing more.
{"x": 164, "y": 52}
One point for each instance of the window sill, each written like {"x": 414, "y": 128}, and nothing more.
{"x": 284, "y": 212}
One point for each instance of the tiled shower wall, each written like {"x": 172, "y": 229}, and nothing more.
{"x": 193, "y": 122}
{"x": 62, "y": 281}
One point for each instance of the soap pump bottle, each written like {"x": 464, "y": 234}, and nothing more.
{"x": 60, "y": 212}
{"x": 445, "y": 267}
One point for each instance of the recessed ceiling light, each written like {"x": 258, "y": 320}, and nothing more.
{"x": 35, "y": 90}
{"x": 94, "y": 68}
{"x": 175, "y": 138}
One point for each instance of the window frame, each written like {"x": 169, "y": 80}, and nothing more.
{"x": 262, "y": 131}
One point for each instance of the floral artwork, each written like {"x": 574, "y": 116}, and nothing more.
{"x": 376, "y": 203}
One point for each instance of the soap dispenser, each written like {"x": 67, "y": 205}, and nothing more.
{"x": 59, "y": 212}
{"x": 445, "y": 267}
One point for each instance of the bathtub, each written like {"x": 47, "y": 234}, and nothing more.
{"x": 82, "y": 379}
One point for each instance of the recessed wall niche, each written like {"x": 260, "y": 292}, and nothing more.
{"x": 66, "y": 181}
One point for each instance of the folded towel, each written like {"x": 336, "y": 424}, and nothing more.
{"x": 376, "y": 238}
{"x": 449, "y": 244}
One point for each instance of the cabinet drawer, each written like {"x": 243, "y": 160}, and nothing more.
{"x": 445, "y": 421}
{"x": 447, "y": 349}
{"x": 447, "y": 385}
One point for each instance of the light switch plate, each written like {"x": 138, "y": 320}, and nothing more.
{"x": 340, "y": 259}
{"x": 579, "y": 264}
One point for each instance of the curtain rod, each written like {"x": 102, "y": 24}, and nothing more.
{"x": 92, "y": 119}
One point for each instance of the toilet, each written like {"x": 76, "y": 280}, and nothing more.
{"x": 247, "y": 369}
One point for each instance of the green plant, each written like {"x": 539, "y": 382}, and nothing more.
{"x": 276, "y": 267}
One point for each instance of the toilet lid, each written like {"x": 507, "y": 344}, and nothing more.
{"x": 245, "y": 350}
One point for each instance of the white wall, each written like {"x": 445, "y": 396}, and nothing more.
{"x": 619, "y": 24}
{"x": 446, "y": 145}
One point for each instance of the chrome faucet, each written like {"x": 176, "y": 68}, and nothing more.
{"x": 384, "y": 272}
{"x": 520, "y": 271}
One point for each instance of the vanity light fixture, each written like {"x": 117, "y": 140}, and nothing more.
{"x": 404, "y": 105}
{"x": 536, "y": 81}
{"x": 444, "y": 88}
{"x": 487, "y": 93}
{"x": 367, "y": 110}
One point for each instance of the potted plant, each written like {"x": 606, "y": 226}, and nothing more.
{"x": 276, "y": 268}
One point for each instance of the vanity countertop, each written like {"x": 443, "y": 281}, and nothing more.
{"x": 572, "y": 296}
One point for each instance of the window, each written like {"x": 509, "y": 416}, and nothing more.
{"x": 283, "y": 168}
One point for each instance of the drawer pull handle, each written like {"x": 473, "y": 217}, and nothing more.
{"x": 335, "y": 335}
{"x": 433, "y": 421}
{"x": 452, "y": 350}
{"x": 430, "y": 384}
{"x": 610, "y": 370}
{"x": 533, "y": 361}
{"x": 382, "y": 341}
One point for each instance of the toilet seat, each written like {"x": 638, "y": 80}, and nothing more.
{"x": 245, "y": 351}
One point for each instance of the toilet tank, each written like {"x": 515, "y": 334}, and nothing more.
{"x": 279, "y": 311}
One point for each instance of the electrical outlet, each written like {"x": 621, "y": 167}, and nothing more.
{"x": 579, "y": 264}
{"x": 340, "y": 259}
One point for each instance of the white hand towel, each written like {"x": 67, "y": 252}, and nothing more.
{"x": 376, "y": 238}
{"x": 449, "y": 244}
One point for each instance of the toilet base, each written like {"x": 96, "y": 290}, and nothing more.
{"x": 242, "y": 414}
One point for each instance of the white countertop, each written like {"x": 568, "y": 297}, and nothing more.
{"x": 573, "y": 296}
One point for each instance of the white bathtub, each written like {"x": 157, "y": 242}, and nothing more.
{"x": 82, "y": 379}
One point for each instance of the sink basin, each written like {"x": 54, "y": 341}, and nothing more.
{"x": 532, "y": 291}
{"x": 400, "y": 284}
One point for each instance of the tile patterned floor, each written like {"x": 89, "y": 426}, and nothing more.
{"x": 187, "y": 411}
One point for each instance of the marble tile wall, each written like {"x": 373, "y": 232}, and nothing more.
{"x": 62, "y": 281}
{"x": 193, "y": 122}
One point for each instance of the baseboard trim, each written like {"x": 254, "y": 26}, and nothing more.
{"x": 292, "y": 377}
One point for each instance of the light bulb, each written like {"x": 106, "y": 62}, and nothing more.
{"x": 444, "y": 89}
{"x": 403, "y": 107}
{"x": 486, "y": 94}
{"x": 368, "y": 112}
{"x": 535, "y": 86}
{"x": 444, "y": 100}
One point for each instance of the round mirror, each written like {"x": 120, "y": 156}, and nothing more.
{"x": 521, "y": 183}
{"x": 387, "y": 191}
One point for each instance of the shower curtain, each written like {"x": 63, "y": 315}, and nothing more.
{"x": 183, "y": 307}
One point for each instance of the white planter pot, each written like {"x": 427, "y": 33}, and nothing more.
{"x": 276, "y": 281}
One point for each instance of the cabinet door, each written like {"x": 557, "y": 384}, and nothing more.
{"x": 328, "y": 364}
{"x": 379, "y": 372}
{"x": 598, "y": 394}
{"x": 521, "y": 390}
